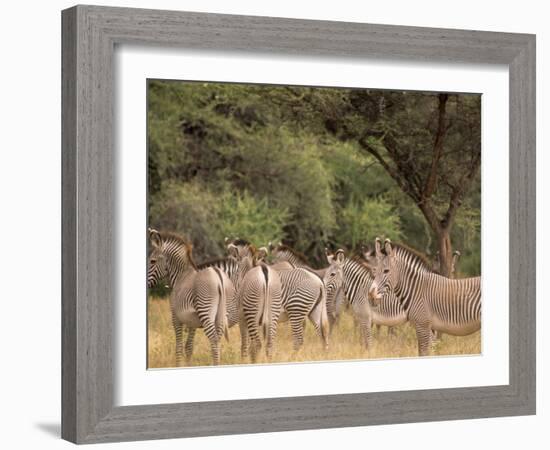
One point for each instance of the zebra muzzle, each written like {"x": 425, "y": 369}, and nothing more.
{"x": 374, "y": 295}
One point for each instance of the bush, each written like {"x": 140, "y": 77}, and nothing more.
{"x": 192, "y": 211}
{"x": 362, "y": 222}
{"x": 206, "y": 217}
{"x": 242, "y": 215}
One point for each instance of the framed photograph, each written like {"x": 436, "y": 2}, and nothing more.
{"x": 278, "y": 224}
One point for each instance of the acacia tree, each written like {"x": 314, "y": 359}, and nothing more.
{"x": 430, "y": 145}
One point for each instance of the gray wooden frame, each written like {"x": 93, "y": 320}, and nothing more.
{"x": 89, "y": 36}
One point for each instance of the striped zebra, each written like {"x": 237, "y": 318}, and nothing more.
{"x": 388, "y": 312}
{"x": 432, "y": 301}
{"x": 230, "y": 267}
{"x": 285, "y": 257}
{"x": 333, "y": 280}
{"x": 367, "y": 309}
{"x": 303, "y": 295}
{"x": 198, "y": 298}
{"x": 258, "y": 296}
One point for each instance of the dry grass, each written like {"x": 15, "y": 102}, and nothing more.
{"x": 344, "y": 343}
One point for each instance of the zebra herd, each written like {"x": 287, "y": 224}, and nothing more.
{"x": 389, "y": 285}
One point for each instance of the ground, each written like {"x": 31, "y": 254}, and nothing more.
{"x": 344, "y": 343}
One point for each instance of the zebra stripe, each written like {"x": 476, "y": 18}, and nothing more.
{"x": 198, "y": 298}
{"x": 303, "y": 295}
{"x": 357, "y": 282}
{"x": 430, "y": 300}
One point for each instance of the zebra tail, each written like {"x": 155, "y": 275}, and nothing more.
{"x": 221, "y": 313}
{"x": 266, "y": 313}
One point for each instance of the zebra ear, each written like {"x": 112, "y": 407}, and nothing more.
{"x": 261, "y": 253}
{"x": 233, "y": 250}
{"x": 368, "y": 253}
{"x": 377, "y": 246}
{"x": 340, "y": 256}
{"x": 388, "y": 248}
{"x": 329, "y": 255}
{"x": 155, "y": 238}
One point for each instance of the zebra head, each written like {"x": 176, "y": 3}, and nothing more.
{"x": 330, "y": 254}
{"x": 170, "y": 256}
{"x": 384, "y": 271}
{"x": 368, "y": 255}
{"x": 157, "y": 268}
{"x": 239, "y": 249}
{"x": 260, "y": 255}
{"x": 334, "y": 281}
{"x": 278, "y": 252}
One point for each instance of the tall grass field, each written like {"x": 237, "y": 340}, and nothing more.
{"x": 344, "y": 342}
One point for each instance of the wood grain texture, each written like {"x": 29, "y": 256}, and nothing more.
{"x": 89, "y": 36}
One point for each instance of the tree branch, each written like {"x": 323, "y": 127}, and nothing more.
{"x": 429, "y": 187}
{"x": 401, "y": 179}
{"x": 459, "y": 190}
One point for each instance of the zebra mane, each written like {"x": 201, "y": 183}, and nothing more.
{"x": 168, "y": 236}
{"x": 214, "y": 262}
{"x": 360, "y": 259}
{"x": 418, "y": 257}
{"x": 240, "y": 242}
{"x": 296, "y": 253}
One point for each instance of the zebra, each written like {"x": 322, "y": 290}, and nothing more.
{"x": 431, "y": 301}
{"x": 333, "y": 280}
{"x": 230, "y": 267}
{"x": 302, "y": 295}
{"x": 283, "y": 253}
{"x": 286, "y": 257}
{"x": 198, "y": 298}
{"x": 258, "y": 297}
{"x": 367, "y": 309}
{"x": 388, "y": 312}
{"x": 357, "y": 280}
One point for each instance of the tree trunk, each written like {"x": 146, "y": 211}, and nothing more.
{"x": 445, "y": 252}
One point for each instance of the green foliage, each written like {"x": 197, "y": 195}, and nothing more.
{"x": 207, "y": 217}
{"x": 191, "y": 210}
{"x": 242, "y": 215}
{"x": 363, "y": 222}
{"x": 270, "y": 163}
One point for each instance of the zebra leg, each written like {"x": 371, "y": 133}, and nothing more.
{"x": 189, "y": 345}
{"x": 316, "y": 318}
{"x": 178, "y": 329}
{"x": 255, "y": 342}
{"x": 245, "y": 342}
{"x": 392, "y": 332}
{"x": 271, "y": 334}
{"x": 271, "y": 327}
{"x": 366, "y": 333}
{"x": 356, "y": 328}
{"x": 364, "y": 319}
{"x": 297, "y": 328}
{"x": 213, "y": 336}
{"x": 424, "y": 337}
